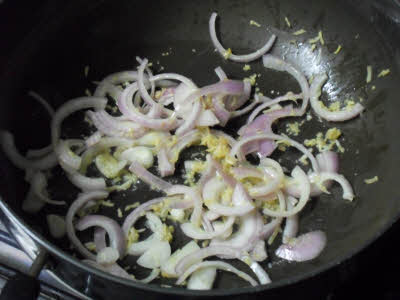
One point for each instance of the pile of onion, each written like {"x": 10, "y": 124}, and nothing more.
{"x": 159, "y": 116}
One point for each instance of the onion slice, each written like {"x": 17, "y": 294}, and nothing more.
{"x": 9, "y": 148}
{"x": 149, "y": 178}
{"x": 275, "y": 63}
{"x": 238, "y": 58}
{"x": 114, "y": 231}
{"x": 216, "y": 264}
{"x": 70, "y": 107}
{"x": 305, "y": 247}
{"x": 335, "y": 116}
{"x": 75, "y": 206}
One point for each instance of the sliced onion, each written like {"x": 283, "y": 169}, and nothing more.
{"x": 275, "y": 63}
{"x": 67, "y": 159}
{"x": 291, "y": 225}
{"x": 168, "y": 268}
{"x": 348, "y": 193}
{"x": 191, "y": 120}
{"x": 269, "y": 228}
{"x": 244, "y": 238}
{"x": 220, "y": 73}
{"x": 135, "y": 115}
{"x": 56, "y": 225}
{"x": 32, "y": 204}
{"x": 215, "y": 264}
{"x": 207, "y": 118}
{"x": 39, "y": 185}
{"x": 153, "y": 275}
{"x": 99, "y": 238}
{"x": 328, "y": 161}
{"x": 236, "y": 148}
{"x": 141, "y": 82}
{"x": 38, "y": 153}
{"x": 93, "y": 139}
{"x": 274, "y": 170}
{"x": 86, "y": 183}
{"x": 193, "y": 194}
{"x": 262, "y": 276}
{"x": 242, "y": 172}
{"x": 242, "y": 99}
{"x": 70, "y": 107}
{"x": 75, "y": 206}
{"x": 115, "y": 79}
{"x": 149, "y": 74}
{"x": 113, "y": 269}
{"x": 183, "y": 142}
{"x": 269, "y": 102}
{"x": 42, "y": 101}
{"x": 104, "y": 144}
{"x": 245, "y": 110}
{"x": 259, "y": 253}
{"x": 107, "y": 256}
{"x": 241, "y": 201}
{"x": 211, "y": 216}
{"x": 165, "y": 167}
{"x": 156, "y": 255}
{"x": 305, "y": 194}
{"x": 220, "y": 111}
{"x": 200, "y": 254}
{"x": 305, "y": 247}
{"x": 8, "y": 146}
{"x": 114, "y": 231}
{"x": 149, "y": 178}
{"x": 335, "y": 116}
{"x": 142, "y": 155}
{"x": 141, "y": 247}
{"x": 115, "y": 126}
{"x": 202, "y": 279}
{"x": 196, "y": 233}
{"x": 131, "y": 219}
{"x": 238, "y": 58}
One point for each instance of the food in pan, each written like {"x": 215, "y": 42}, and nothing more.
{"x": 232, "y": 202}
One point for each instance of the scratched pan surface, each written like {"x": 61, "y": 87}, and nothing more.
{"x": 108, "y": 35}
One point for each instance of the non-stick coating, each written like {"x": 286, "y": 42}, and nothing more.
{"x": 108, "y": 35}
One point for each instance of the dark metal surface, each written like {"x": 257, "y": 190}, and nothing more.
{"x": 108, "y": 35}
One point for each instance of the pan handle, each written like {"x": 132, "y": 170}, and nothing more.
{"x": 25, "y": 286}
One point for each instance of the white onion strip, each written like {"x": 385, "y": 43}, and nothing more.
{"x": 114, "y": 231}
{"x": 70, "y": 107}
{"x": 196, "y": 233}
{"x": 131, "y": 219}
{"x": 39, "y": 185}
{"x": 302, "y": 177}
{"x": 238, "y": 58}
{"x": 9, "y": 148}
{"x": 216, "y": 264}
{"x": 269, "y": 102}
{"x": 149, "y": 178}
{"x": 275, "y": 63}
{"x": 236, "y": 148}
{"x": 75, "y": 206}
{"x": 348, "y": 193}
{"x": 335, "y": 116}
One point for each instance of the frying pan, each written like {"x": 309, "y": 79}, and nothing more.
{"x": 107, "y": 36}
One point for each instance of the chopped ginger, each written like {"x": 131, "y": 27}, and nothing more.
{"x": 372, "y": 180}
{"x": 254, "y": 23}
{"x": 384, "y": 73}
{"x": 227, "y": 53}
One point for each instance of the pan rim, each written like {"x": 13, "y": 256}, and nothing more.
{"x": 175, "y": 291}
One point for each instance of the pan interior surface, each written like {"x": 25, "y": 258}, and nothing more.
{"x": 108, "y": 35}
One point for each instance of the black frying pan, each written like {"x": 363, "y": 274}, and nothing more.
{"x": 107, "y": 35}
